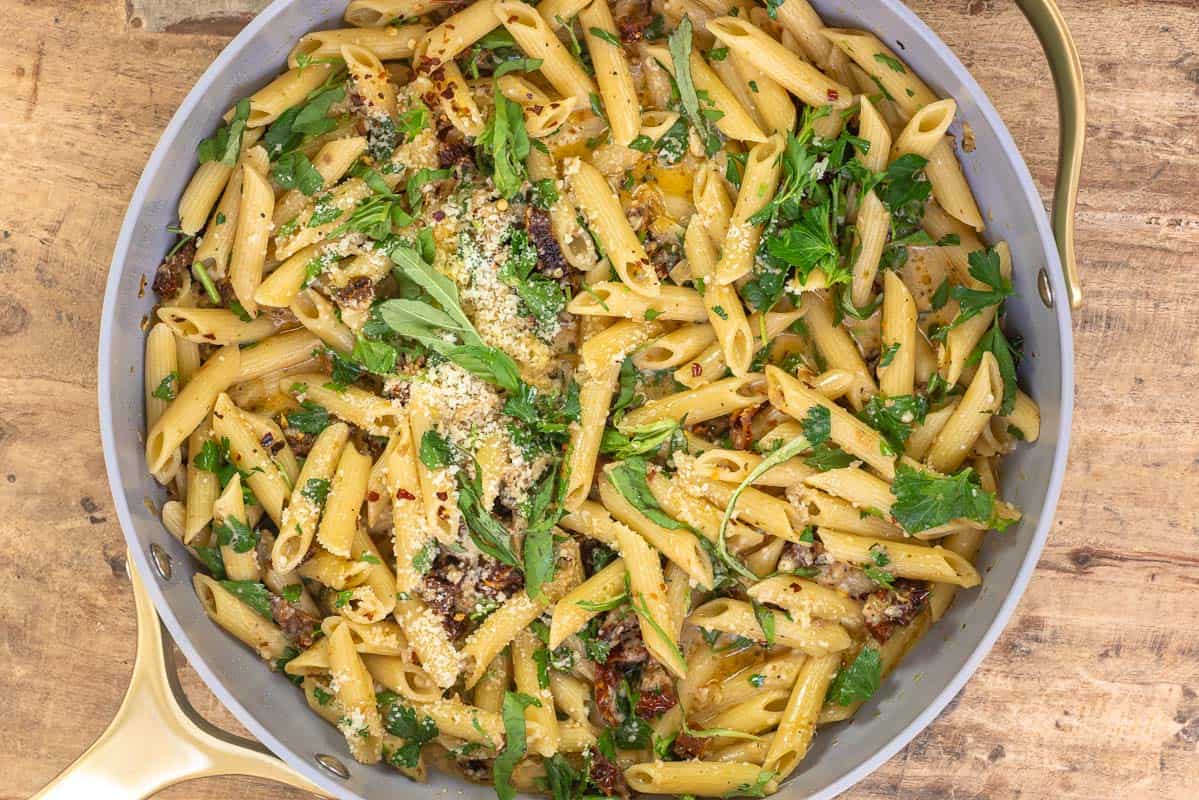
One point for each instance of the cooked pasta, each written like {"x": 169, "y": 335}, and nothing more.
{"x": 550, "y": 386}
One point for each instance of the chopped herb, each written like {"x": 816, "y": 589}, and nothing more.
{"x": 295, "y": 171}
{"x": 875, "y": 571}
{"x": 679, "y": 45}
{"x": 545, "y": 194}
{"x": 403, "y": 721}
{"x": 817, "y": 425}
{"x": 515, "y": 742}
{"x": 167, "y": 387}
{"x": 232, "y": 532}
{"x": 940, "y": 296}
{"x": 894, "y": 418}
{"x": 629, "y": 477}
{"x": 253, "y": 594}
{"x": 859, "y": 681}
{"x": 765, "y": 618}
{"x": 309, "y": 418}
{"x": 985, "y": 268}
{"x": 608, "y": 37}
{"x": 224, "y": 146}
{"x": 505, "y": 144}
{"x": 891, "y": 62}
{"x": 924, "y": 500}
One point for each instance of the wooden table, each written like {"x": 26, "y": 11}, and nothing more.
{"x": 1093, "y": 691}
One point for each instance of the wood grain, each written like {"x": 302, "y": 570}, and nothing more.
{"x": 1093, "y": 690}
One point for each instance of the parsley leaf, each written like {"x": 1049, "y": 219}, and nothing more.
{"x": 817, "y": 425}
{"x": 894, "y": 418}
{"x": 316, "y": 490}
{"x": 232, "y": 532}
{"x": 311, "y": 418}
{"x": 224, "y": 146}
{"x": 984, "y": 267}
{"x": 167, "y": 388}
{"x": 924, "y": 500}
{"x": 875, "y": 571}
{"x": 859, "y": 681}
{"x": 994, "y": 342}
{"x": 808, "y": 245}
{"x": 403, "y": 721}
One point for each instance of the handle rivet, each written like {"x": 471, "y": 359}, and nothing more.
{"x": 1044, "y": 289}
{"x": 333, "y": 765}
{"x": 161, "y": 561}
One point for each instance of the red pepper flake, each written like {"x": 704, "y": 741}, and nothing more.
{"x": 697, "y": 369}
{"x": 404, "y": 494}
{"x": 372, "y": 497}
{"x": 833, "y": 94}
{"x": 442, "y": 496}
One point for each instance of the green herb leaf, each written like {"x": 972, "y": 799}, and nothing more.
{"x": 295, "y": 171}
{"x": 599, "y": 606}
{"x": 167, "y": 387}
{"x": 924, "y": 500}
{"x": 984, "y": 267}
{"x": 641, "y": 609}
{"x": 859, "y": 681}
{"x": 316, "y": 490}
{"x": 225, "y": 145}
{"x": 782, "y": 454}
{"x": 515, "y": 741}
{"x": 940, "y": 296}
{"x": 817, "y": 425}
{"x": 630, "y": 479}
{"x": 639, "y": 439}
{"x": 253, "y": 594}
{"x": 376, "y": 357}
{"x": 309, "y": 418}
{"x": 808, "y": 245}
{"x": 505, "y": 144}
{"x": 211, "y": 558}
{"x": 893, "y": 63}
{"x": 608, "y": 37}
{"x": 435, "y": 450}
{"x": 517, "y": 65}
{"x": 765, "y": 618}
{"x": 232, "y": 532}
{"x": 994, "y": 342}
{"x": 679, "y": 45}
{"x": 403, "y": 721}
{"x": 894, "y": 417}
{"x": 492, "y": 365}
{"x": 488, "y": 534}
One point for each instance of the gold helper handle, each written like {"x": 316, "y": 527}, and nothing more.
{"x": 1066, "y": 67}
{"x": 157, "y": 739}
